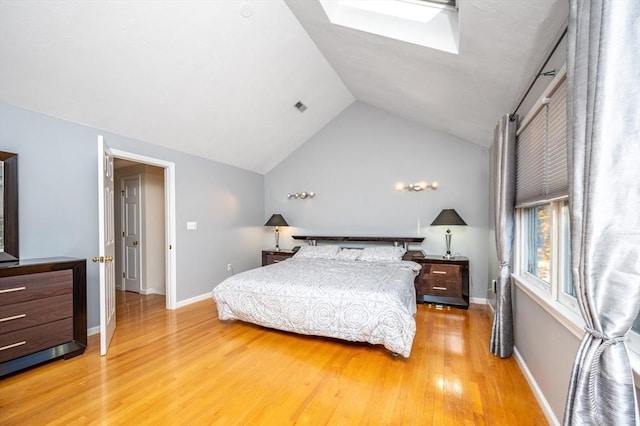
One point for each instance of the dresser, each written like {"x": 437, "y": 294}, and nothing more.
{"x": 443, "y": 281}
{"x": 272, "y": 256}
{"x": 43, "y": 311}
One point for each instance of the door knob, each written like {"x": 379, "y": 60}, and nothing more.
{"x": 135, "y": 243}
{"x": 102, "y": 259}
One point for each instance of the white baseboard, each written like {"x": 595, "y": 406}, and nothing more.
{"x": 148, "y": 291}
{"x": 546, "y": 408}
{"x": 478, "y": 300}
{"x": 195, "y": 299}
{"x": 96, "y": 330}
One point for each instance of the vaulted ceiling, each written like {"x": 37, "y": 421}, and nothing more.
{"x": 219, "y": 79}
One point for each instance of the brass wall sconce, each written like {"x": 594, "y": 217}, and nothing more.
{"x": 416, "y": 187}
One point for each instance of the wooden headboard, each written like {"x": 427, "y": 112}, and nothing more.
{"x": 396, "y": 241}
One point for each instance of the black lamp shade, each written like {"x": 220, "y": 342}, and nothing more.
{"x": 276, "y": 220}
{"x": 448, "y": 217}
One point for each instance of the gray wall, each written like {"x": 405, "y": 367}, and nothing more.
{"x": 354, "y": 164}
{"x": 546, "y": 346}
{"x": 59, "y": 213}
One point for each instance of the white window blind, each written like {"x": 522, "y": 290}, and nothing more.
{"x": 541, "y": 150}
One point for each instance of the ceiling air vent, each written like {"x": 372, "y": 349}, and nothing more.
{"x": 300, "y": 106}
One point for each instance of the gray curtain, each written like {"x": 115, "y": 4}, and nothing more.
{"x": 603, "y": 117}
{"x": 504, "y": 182}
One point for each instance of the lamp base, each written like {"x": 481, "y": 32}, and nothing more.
{"x": 448, "y": 257}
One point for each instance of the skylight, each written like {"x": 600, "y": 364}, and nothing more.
{"x": 430, "y": 23}
{"x": 447, "y": 2}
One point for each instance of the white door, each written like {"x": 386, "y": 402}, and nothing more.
{"x": 106, "y": 246}
{"x": 130, "y": 187}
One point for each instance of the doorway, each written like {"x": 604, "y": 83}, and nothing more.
{"x": 146, "y": 249}
{"x": 139, "y": 228}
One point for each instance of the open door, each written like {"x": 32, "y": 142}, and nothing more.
{"x": 106, "y": 246}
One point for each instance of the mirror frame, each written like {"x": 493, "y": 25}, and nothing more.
{"x": 11, "y": 240}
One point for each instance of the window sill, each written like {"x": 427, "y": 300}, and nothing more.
{"x": 569, "y": 319}
{"x": 572, "y": 321}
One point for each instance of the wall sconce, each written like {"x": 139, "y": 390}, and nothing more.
{"x": 418, "y": 186}
{"x": 302, "y": 195}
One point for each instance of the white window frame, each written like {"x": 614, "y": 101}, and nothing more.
{"x": 522, "y": 268}
{"x": 551, "y": 295}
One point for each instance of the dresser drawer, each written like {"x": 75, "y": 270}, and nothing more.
{"x": 273, "y": 258}
{"x": 33, "y": 339}
{"x": 22, "y": 288}
{"x": 440, "y": 287}
{"x": 35, "y": 312}
{"x": 444, "y": 272}
{"x": 270, "y": 257}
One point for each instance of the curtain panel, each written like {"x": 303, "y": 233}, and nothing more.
{"x": 603, "y": 112}
{"x": 504, "y": 181}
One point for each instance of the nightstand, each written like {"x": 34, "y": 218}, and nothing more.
{"x": 272, "y": 256}
{"x": 443, "y": 281}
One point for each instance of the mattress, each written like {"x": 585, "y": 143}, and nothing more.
{"x": 357, "y": 301}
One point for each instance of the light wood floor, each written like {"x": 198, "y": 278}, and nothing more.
{"x": 187, "y": 367}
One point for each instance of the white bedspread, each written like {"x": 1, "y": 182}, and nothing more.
{"x": 352, "y": 300}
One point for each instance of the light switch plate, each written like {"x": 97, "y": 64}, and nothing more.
{"x": 192, "y": 225}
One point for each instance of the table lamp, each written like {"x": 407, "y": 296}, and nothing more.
{"x": 276, "y": 220}
{"x": 448, "y": 217}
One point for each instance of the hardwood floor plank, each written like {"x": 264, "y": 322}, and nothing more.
{"x": 187, "y": 367}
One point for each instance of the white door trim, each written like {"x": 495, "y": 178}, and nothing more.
{"x": 170, "y": 216}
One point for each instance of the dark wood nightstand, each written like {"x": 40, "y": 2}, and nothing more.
{"x": 272, "y": 256}
{"x": 443, "y": 281}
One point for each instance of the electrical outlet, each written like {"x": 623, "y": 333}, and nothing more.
{"x": 229, "y": 267}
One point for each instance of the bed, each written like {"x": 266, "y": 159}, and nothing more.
{"x": 356, "y": 295}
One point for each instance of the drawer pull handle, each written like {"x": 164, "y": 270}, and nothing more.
{"x": 13, "y": 317}
{"x": 439, "y": 272}
{"x": 11, "y": 290}
{"x": 440, "y": 288}
{"x": 13, "y": 345}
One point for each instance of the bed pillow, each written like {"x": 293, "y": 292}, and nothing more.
{"x": 348, "y": 254}
{"x": 317, "y": 252}
{"x": 382, "y": 254}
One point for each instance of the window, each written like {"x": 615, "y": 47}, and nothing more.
{"x": 538, "y": 240}
{"x": 543, "y": 244}
{"x": 542, "y": 254}
{"x": 542, "y": 189}
{"x": 432, "y": 24}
